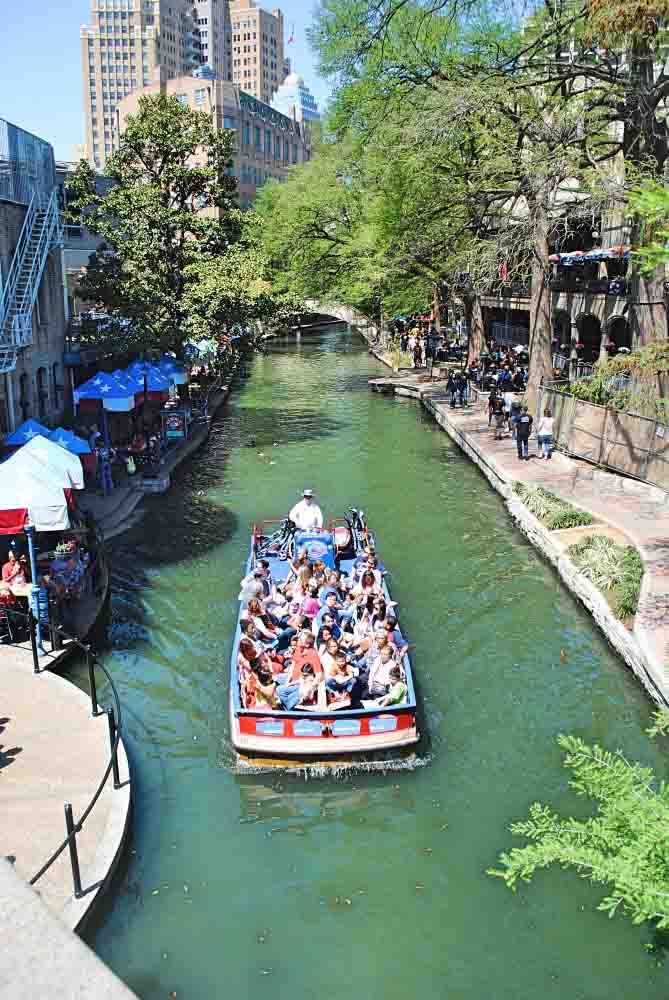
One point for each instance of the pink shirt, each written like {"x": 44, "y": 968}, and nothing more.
{"x": 310, "y": 607}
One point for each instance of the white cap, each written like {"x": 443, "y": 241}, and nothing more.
{"x": 307, "y": 493}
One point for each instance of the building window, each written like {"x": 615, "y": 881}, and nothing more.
{"x": 268, "y": 143}
{"x": 277, "y": 148}
{"x": 200, "y": 96}
{"x": 247, "y": 134}
{"x": 228, "y": 121}
{"x": 258, "y": 142}
{"x": 183, "y": 99}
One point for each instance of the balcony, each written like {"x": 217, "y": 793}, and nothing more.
{"x": 577, "y": 285}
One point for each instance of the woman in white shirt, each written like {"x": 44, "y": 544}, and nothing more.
{"x": 545, "y": 434}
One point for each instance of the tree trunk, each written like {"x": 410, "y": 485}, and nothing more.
{"x": 477, "y": 344}
{"x": 541, "y": 361}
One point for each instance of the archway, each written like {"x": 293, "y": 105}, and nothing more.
{"x": 590, "y": 335}
{"x": 561, "y": 329}
{"x": 618, "y": 329}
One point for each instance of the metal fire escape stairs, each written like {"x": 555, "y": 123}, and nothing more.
{"x": 42, "y": 232}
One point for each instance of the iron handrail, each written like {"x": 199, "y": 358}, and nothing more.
{"x": 116, "y": 726}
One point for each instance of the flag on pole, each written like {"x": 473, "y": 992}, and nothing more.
{"x": 291, "y": 37}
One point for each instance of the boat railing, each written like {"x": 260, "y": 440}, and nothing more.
{"x": 115, "y": 727}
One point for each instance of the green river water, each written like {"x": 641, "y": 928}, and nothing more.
{"x": 373, "y": 885}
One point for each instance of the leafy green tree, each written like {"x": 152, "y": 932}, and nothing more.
{"x": 169, "y": 211}
{"x": 623, "y": 846}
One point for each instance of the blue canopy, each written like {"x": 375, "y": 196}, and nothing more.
{"x": 66, "y": 439}
{"x": 26, "y": 432}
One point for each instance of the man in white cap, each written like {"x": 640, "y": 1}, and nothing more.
{"x": 306, "y": 514}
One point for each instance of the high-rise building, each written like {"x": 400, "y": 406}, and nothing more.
{"x": 267, "y": 144}
{"x": 294, "y": 99}
{"x": 127, "y": 41}
{"x": 121, "y": 48}
{"x": 257, "y": 48}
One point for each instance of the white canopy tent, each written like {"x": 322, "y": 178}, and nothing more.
{"x": 57, "y": 460}
{"x": 31, "y": 493}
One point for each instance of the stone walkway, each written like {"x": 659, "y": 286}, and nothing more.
{"x": 51, "y": 752}
{"x": 638, "y": 510}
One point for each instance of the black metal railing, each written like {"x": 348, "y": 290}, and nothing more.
{"x": 115, "y": 727}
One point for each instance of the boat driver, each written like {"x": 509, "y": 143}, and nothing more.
{"x": 306, "y": 514}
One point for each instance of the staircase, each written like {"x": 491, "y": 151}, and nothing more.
{"x": 41, "y": 233}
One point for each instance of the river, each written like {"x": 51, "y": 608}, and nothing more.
{"x": 374, "y": 885}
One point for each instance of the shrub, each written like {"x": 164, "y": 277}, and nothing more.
{"x": 615, "y": 569}
{"x": 554, "y": 513}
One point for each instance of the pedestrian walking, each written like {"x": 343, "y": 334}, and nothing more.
{"x": 499, "y": 418}
{"x": 523, "y": 431}
{"x": 545, "y": 434}
{"x": 452, "y": 389}
{"x": 491, "y": 405}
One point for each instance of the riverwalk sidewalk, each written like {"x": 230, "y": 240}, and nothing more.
{"x": 53, "y": 751}
{"x": 638, "y": 511}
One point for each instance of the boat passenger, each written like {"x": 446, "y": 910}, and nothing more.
{"x": 310, "y": 605}
{"x": 261, "y": 690}
{"x": 305, "y": 654}
{"x": 301, "y": 692}
{"x": 368, "y": 587}
{"x": 395, "y": 636}
{"x": 397, "y": 693}
{"x": 306, "y": 514}
{"x": 340, "y": 677}
{"x": 268, "y": 631}
{"x": 329, "y": 607}
{"x": 378, "y": 678}
{"x": 252, "y": 586}
{"x": 327, "y": 657}
{"x": 323, "y": 637}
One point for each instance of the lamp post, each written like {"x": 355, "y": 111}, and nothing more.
{"x": 34, "y": 605}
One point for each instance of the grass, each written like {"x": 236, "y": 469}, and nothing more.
{"x": 554, "y": 513}
{"x": 616, "y": 570}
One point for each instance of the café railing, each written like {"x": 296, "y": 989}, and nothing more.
{"x": 115, "y": 727}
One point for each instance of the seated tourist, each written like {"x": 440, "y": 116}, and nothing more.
{"x": 260, "y": 690}
{"x": 329, "y": 607}
{"x": 323, "y": 637}
{"x": 339, "y": 676}
{"x": 368, "y": 587}
{"x": 269, "y": 632}
{"x": 252, "y": 587}
{"x": 395, "y": 636}
{"x": 14, "y": 570}
{"x": 378, "y": 676}
{"x": 397, "y": 692}
{"x": 327, "y": 657}
{"x": 310, "y": 605}
{"x": 332, "y": 583}
{"x": 247, "y": 654}
{"x": 305, "y": 654}
{"x": 301, "y": 692}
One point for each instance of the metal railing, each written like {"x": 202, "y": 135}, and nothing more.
{"x": 115, "y": 726}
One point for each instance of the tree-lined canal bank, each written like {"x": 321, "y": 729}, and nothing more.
{"x": 274, "y": 886}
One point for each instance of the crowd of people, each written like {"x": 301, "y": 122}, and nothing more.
{"x": 321, "y": 639}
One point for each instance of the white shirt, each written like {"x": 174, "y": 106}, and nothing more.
{"x": 306, "y": 515}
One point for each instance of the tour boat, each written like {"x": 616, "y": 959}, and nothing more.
{"x": 329, "y": 736}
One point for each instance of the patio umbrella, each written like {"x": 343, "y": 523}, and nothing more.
{"x": 116, "y": 396}
{"x": 66, "y": 439}
{"x": 28, "y": 430}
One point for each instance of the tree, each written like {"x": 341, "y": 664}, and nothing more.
{"x": 170, "y": 210}
{"x": 623, "y": 846}
{"x": 571, "y": 92}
